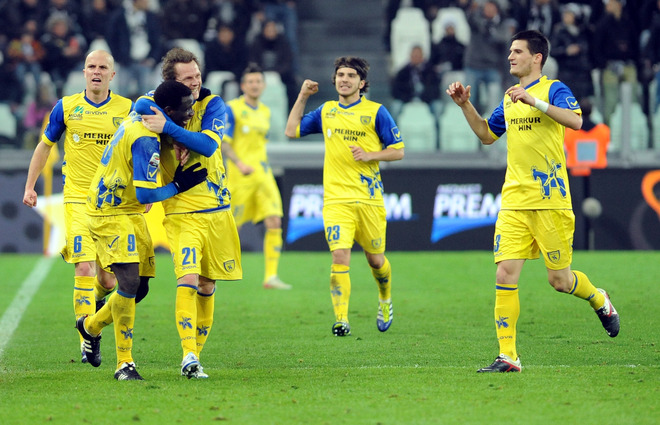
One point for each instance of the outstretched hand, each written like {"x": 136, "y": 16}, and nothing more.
{"x": 459, "y": 94}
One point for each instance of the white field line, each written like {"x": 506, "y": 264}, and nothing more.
{"x": 12, "y": 316}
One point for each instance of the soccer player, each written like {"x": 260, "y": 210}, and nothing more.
{"x": 199, "y": 224}
{"x": 358, "y": 134}
{"x": 126, "y": 180}
{"x": 255, "y": 195}
{"x": 536, "y": 213}
{"x": 88, "y": 121}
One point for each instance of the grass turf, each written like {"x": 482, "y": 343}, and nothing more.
{"x": 272, "y": 359}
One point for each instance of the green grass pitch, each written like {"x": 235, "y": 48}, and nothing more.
{"x": 272, "y": 358}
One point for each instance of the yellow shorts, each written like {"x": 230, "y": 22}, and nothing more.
{"x": 206, "y": 244}
{"x": 255, "y": 202}
{"x": 348, "y": 222}
{"x": 123, "y": 238}
{"x": 522, "y": 234}
{"x": 79, "y": 247}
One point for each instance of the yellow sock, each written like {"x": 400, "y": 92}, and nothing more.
{"x": 186, "y": 317}
{"x": 583, "y": 288}
{"x": 340, "y": 290}
{"x": 272, "y": 251}
{"x": 205, "y": 308}
{"x": 100, "y": 291}
{"x": 123, "y": 312}
{"x": 83, "y": 296}
{"x": 507, "y": 311}
{"x": 383, "y": 277}
{"x": 102, "y": 318}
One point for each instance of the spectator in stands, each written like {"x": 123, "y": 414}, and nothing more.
{"x": 417, "y": 80}
{"x": 541, "y": 15}
{"x": 68, "y": 8}
{"x": 225, "y": 52}
{"x": 185, "y": 19}
{"x": 134, "y": 38}
{"x": 285, "y": 13}
{"x": 10, "y": 89}
{"x": 271, "y": 51}
{"x": 448, "y": 53}
{"x": 65, "y": 50}
{"x": 35, "y": 112}
{"x": 489, "y": 40}
{"x": 570, "y": 48}
{"x": 615, "y": 50}
{"x": 14, "y": 14}
{"x": 651, "y": 58}
{"x": 95, "y": 19}
{"x": 25, "y": 54}
{"x": 237, "y": 14}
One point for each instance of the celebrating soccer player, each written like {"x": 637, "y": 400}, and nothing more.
{"x": 536, "y": 213}
{"x": 358, "y": 134}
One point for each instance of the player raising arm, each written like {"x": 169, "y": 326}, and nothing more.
{"x": 358, "y": 133}
{"x": 536, "y": 213}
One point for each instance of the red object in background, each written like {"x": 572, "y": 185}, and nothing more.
{"x": 586, "y": 149}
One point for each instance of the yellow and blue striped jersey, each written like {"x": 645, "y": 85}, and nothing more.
{"x": 247, "y": 133}
{"x": 88, "y": 127}
{"x": 130, "y": 160}
{"x": 536, "y": 174}
{"x": 365, "y": 124}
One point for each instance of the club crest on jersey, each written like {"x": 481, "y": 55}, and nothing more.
{"x": 331, "y": 113}
{"x": 116, "y": 121}
{"x": 376, "y": 243}
{"x": 218, "y": 125}
{"x": 229, "y": 265}
{"x": 554, "y": 256}
{"x": 365, "y": 119}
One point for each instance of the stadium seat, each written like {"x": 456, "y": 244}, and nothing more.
{"x": 639, "y": 131}
{"x": 7, "y": 122}
{"x": 455, "y": 133}
{"x": 274, "y": 96}
{"x": 418, "y": 127}
{"x": 98, "y": 44}
{"x": 456, "y": 16}
{"x": 409, "y": 28}
{"x": 75, "y": 83}
{"x": 223, "y": 83}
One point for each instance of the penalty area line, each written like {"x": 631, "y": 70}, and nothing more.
{"x": 12, "y": 316}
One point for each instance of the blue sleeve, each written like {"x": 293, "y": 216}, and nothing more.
{"x": 311, "y": 123}
{"x": 562, "y": 97}
{"x": 496, "y": 122}
{"x": 214, "y": 116}
{"x": 146, "y": 160}
{"x": 56, "y": 124}
{"x": 230, "y": 123}
{"x": 197, "y": 142}
{"x": 386, "y": 128}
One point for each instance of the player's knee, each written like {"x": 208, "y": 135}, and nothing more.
{"x": 142, "y": 290}
{"x": 85, "y": 269}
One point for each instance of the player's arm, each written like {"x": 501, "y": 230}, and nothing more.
{"x": 53, "y": 131}
{"x": 37, "y": 164}
{"x": 155, "y": 120}
{"x": 566, "y": 117}
{"x": 146, "y": 154}
{"x": 308, "y": 88}
{"x": 390, "y": 138}
{"x": 461, "y": 96}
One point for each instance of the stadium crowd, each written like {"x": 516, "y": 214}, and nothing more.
{"x": 43, "y": 41}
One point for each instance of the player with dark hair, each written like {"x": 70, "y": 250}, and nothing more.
{"x": 125, "y": 181}
{"x": 358, "y": 135}
{"x": 536, "y": 213}
{"x": 88, "y": 120}
{"x": 199, "y": 224}
{"x": 255, "y": 195}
